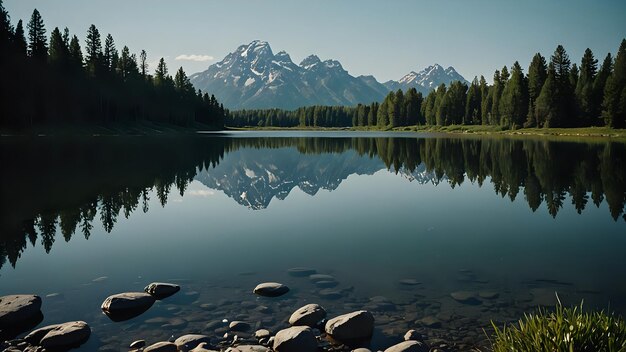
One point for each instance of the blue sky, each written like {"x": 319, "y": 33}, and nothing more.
{"x": 385, "y": 38}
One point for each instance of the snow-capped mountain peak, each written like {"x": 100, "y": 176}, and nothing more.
{"x": 310, "y": 61}
{"x": 253, "y": 76}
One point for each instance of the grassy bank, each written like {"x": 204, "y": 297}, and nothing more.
{"x": 592, "y": 132}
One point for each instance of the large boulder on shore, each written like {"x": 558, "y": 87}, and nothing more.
{"x": 408, "y": 346}
{"x": 60, "y": 336}
{"x": 161, "y": 290}
{"x": 271, "y": 289}
{"x": 124, "y": 306}
{"x": 190, "y": 341}
{"x": 295, "y": 339}
{"x": 309, "y": 315}
{"x": 162, "y": 347}
{"x": 352, "y": 326}
{"x": 16, "y": 309}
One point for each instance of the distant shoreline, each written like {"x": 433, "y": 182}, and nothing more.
{"x": 148, "y": 128}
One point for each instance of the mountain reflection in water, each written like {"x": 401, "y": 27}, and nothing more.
{"x": 55, "y": 185}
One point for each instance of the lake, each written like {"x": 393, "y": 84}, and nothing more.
{"x": 429, "y": 232}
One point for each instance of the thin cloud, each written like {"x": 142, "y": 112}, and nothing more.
{"x": 198, "y": 58}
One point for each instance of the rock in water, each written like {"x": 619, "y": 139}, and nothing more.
{"x": 271, "y": 289}
{"x": 190, "y": 341}
{"x": 412, "y": 335}
{"x": 465, "y": 297}
{"x": 238, "y": 326}
{"x": 161, "y": 290}
{"x": 124, "y": 306}
{"x": 15, "y": 309}
{"x": 60, "y": 336}
{"x": 352, "y": 326}
{"x": 295, "y": 339}
{"x": 309, "y": 315}
{"x": 203, "y": 347}
{"x": 301, "y": 271}
{"x": 408, "y": 346}
{"x": 321, "y": 277}
{"x": 161, "y": 347}
{"x": 248, "y": 348}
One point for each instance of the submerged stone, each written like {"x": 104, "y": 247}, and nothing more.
{"x": 271, "y": 289}
{"x": 161, "y": 290}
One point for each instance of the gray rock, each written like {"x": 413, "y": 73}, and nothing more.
{"x": 15, "y": 309}
{"x": 431, "y": 322}
{"x": 329, "y": 293}
{"x": 465, "y": 297}
{"x": 301, "y": 271}
{"x": 309, "y": 315}
{"x": 161, "y": 290}
{"x": 238, "y": 326}
{"x": 203, "y": 347}
{"x": 351, "y": 326}
{"x": 271, "y": 289}
{"x": 295, "y": 339}
{"x": 137, "y": 344}
{"x": 408, "y": 346}
{"x": 190, "y": 341}
{"x": 163, "y": 346}
{"x": 326, "y": 284}
{"x": 361, "y": 350}
{"x": 248, "y": 348}
{"x": 412, "y": 335}
{"x": 262, "y": 334}
{"x": 321, "y": 277}
{"x": 127, "y": 301}
{"x": 60, "y": 336}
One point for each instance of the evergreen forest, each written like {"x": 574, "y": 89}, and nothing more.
{"x": 49, "y": 80}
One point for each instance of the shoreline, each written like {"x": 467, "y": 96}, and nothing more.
{"x": 456, "y": 130}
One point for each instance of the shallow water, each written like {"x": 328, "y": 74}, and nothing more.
{"x": 511, "y": 221}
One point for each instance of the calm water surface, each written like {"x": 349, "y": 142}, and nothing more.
{"x": 511, "y": 221}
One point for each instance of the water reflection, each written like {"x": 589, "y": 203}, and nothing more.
{"x": 52, "y": 185}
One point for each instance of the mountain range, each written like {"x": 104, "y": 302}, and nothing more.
{"x": 254, "y": 77}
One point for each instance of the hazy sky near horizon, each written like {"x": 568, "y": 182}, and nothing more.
{"x": 387, "y": 39}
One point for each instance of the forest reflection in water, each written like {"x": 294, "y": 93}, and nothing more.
{"x": 55, "y": 185}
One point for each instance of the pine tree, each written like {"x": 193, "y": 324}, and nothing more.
{"x": 514, "y": 101}
{"x": 412, "y": 103}
{"x": 182, "y": 83}
{"x": 537, "y": 73}
{"x": 371, "y": 116}
{"x": 19, "y": 40}
{"x": 584, "y": 88}
{"x": 614, "y": 104}
{"x": 160, "y": 75}
{"x": 6, "y": 32}
{"x": 143, "y": 59}
{"x": 58, "y": 54}
{"x": 37, "y": 45}
{"x": 396, "y": 111}
{"x": 382, "y": 117}
{"x": 109, "y": 53}
{"x": 599, "y": 84}
{"x": 484, "y": 91}
{"x": 441, "y": 105}
{"x": 76, "y": 54}
{"x": 472, "y": 105}
{"x": 564, "y": 90}
{"x": 546, "y": 106}
{"x": 127, "y": 65}
{"x": 93, "y": 51}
